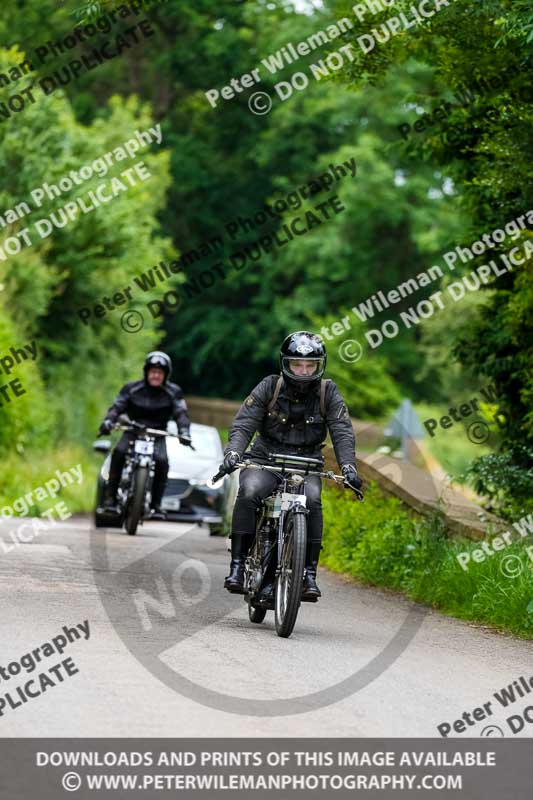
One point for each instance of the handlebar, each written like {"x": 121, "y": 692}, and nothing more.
{"x": 152, "y": 431}
{"x": 131, "y": 425}
{"x": 329, "y": 475}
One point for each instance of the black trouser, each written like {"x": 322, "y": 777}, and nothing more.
{"x": 160, "y": 461}
{"x": 254, "y": 486}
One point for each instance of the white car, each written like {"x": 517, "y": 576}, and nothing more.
{"x": 190, "y": 495}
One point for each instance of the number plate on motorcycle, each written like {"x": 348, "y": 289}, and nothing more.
{"x": 288, "y": 500}
{"x": 146, "y": 448}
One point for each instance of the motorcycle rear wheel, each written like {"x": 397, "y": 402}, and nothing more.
{"x": 256, "y": 614}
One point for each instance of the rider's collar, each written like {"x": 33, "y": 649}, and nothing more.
{"x": 294, "y": 393}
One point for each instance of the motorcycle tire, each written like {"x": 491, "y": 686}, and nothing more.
{"x": 135, "y": 509}
{"x": 288, "y": 586}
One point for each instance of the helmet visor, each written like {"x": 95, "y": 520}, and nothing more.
{"x": 157, "y": 361}
{"x": 303, "y": 369}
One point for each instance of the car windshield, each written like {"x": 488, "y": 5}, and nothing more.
{"x": 206, "y": 442}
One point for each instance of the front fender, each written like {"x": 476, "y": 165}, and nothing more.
{"x": 294, "y": 503}
{"x": 298, "y": 508}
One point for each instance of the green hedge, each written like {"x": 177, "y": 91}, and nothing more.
{"x": 381, "y": 543}
{"x": 22, "y": 474}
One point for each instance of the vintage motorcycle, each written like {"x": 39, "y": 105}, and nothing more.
{"x": 135, "y": 488}
{"x": 279, "y": 547}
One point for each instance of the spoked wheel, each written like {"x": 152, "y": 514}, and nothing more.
{"x": 255, "y": 614}
{"x": 135, "y": 509}
{"x": 289, "y": 583}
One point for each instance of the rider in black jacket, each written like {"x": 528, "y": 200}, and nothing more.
{"x": 152, "y": 401}
{"x": 292, "y": 414}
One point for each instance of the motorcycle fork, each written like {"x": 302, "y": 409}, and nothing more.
{"x": 135, "y": 462}
{"x": 281, "y": 528}
{"x": 283, "y": 524}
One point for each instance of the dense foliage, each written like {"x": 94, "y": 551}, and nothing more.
{"x": 409, "y": 202}
{"x": 49, "y": 281}
{"x": 484, "y": 49}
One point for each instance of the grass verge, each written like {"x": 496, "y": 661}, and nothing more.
{"x": 22, "y": 474}
{"x": 381, "y": 543}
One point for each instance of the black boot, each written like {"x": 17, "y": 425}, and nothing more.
{"x": 240, "y": 544}
{"x": 234, "y": 583}
{"x": 110, "y": 501}
{"x": 156, "y": 512}
{"x": 310, "y": 591}
{"x": 266, "y": 595}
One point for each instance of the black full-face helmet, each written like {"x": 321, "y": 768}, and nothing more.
{"x": 302, "y": 359}
{"x": 158, "y": 359}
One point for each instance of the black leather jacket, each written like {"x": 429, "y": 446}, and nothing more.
{"x": 294, "y": 425}
{"x": 151, "y": 405}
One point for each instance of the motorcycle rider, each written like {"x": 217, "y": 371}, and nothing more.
{"x": 152, "y": 401}
{"x": 292, "y": 414}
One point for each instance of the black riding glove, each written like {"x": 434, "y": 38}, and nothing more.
{"x": 185, "y": 439}
{"x": 351, "y": 477}
{"x": 231, "y": 460}
{"x": 105, "y": 428}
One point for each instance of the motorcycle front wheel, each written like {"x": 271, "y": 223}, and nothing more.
{"x": 288, "y": 587}
{"x": 135, "y": 509}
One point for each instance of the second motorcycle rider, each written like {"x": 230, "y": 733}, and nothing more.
{"x": 152, "y": 401}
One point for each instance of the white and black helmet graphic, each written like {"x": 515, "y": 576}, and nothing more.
{"x": 158, "y": 359}
{"x": 302, "y": 346}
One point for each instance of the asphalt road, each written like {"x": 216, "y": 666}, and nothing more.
{"x": 170, "y": 653}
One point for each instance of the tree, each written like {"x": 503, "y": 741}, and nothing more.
{"x": 484, "y": 145}
{"x": 93, "y": 254}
